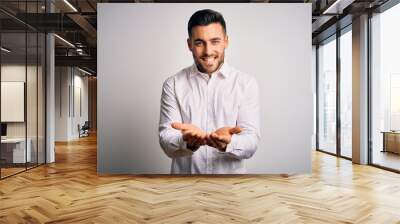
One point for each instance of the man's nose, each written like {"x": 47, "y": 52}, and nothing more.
{"x": 207, "y": 49}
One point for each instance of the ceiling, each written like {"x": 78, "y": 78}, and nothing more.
{"x": 76, "y": 22}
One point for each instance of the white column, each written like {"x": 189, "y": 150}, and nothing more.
{"x": 50, "y": 92}
{"x": 360, "y": 90}
{"x": 50, "y": 100}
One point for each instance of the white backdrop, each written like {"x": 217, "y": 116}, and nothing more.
{"x": 140, "y": 45}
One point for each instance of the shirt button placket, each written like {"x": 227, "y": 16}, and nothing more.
{"x": 205, "y": 119}
{"x": 209, "y": 93}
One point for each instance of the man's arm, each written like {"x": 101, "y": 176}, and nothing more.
{"x": 244, "y": 144}
{"x": 171, "y": 140}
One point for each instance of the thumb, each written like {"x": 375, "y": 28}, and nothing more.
{"x": 177, "y": 125}
{"x": 235, "y": 130}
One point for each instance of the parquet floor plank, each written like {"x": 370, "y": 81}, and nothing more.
{"x": 70, "y": 191}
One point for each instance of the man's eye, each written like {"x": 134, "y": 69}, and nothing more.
{"x": 215, "y": 42}
{"x": 198, "y": 43}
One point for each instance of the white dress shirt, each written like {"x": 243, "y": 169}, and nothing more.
{"x": 228, "y": 98}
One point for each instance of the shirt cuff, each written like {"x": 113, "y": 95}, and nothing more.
{"x": 183, "y": 146}
{"x": 231, "y": 148}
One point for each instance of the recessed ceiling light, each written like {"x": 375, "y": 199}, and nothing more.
{"x": 70, "y": 5}
{"x": 329, "y": 9}
{"x": 64, "y": 40}
{"x": 84, "y": 71}
{"x": 5, "y": 50}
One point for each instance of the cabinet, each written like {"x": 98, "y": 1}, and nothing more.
{"x": 13, "y": 151}
{"x": 391, "y": 142}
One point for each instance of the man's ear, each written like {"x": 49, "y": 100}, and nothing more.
{"x": 226, "y": 41}
{"x": 189, "y": 43}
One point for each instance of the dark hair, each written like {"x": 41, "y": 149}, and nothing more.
{"x": 205, "y": 17}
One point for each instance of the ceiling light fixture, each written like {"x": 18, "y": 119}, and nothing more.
{"x": 5, "y": 50}
{"x": 64, "y": 40}
{"x": 70, "y": 5}
{"x": 329, "y": 9}
{"x": 84, "y": 71}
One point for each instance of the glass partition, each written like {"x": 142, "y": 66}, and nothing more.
{"x": 22, "y": 77}
{"x": 13, "y": 94}
{"x": 31, "y": 100}
{"x": 327, "y": 96}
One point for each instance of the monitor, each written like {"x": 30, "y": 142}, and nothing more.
{"x": 3, "y": 129}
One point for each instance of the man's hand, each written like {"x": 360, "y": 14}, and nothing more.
{"x": 192, "y": 135}
{"x": 195, "y": 137}
{"x": 220, "y": 138}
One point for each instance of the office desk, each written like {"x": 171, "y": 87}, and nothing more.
{"x": 391, "y": 141}
{"x": 13, "y": 150}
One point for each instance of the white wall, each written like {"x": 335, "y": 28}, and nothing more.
{"x": 61, "y": 103}
{"x": 16, "y": 72}
{"x": 313, "y": 84}
{"x": 79, "y": 117}
{"x": 269, "y": 41}
{"x": 67, "y": 84}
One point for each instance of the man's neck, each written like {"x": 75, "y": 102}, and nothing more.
{"x": 210, "y": 74}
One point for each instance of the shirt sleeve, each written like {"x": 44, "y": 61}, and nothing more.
{"x": 171, "y": 140}
{"x": 244, "y": 144}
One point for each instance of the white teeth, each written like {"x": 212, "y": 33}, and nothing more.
{"x": 209, "y": 60}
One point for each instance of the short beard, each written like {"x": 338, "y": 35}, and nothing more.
{"x": 201, "y": 68}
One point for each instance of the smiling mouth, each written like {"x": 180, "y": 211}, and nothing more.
{"x": 209, "y": 60}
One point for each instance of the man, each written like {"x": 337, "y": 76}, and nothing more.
{"x": 209, "y": 116}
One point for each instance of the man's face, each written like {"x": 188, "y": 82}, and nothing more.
{"x": 207, "y": 45}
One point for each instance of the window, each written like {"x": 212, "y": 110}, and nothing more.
{"x": 327, "y": 96}
{"x": 346, "y": 93}
{"x": 385, "y": 88}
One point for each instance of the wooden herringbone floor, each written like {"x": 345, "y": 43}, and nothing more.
{"x": 70, "y": 191}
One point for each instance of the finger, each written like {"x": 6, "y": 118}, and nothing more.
{"x": 205, "y": 139}
{"x": 220, "y": 140}
{"x": 212, "y": 143}
{"x": 197, "y": 134}
{"x": 213, "y": 135}
{"x": 217, "y": 143}
{"x": 203, "y": 135}
{"x": 197, "y": 143}
{"x": 199, "y": 138}
{"x": 190, "y": 141}
{"x": 221, "y": 145}
{"x": 209, "y": 142}
{"x": 194, "y": 142}
{"x": 176, "y": 125}
{"x": 224, "y": 139}
{"x": 235, "y": 130}
{"x": 218, "y": 137}
{"x": 188, "y": 132}
{"x": 186, "y": 135}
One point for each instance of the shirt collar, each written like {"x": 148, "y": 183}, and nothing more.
{"x": 223, "y": 70}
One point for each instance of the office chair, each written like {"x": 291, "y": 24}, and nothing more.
{"x": 84, "y": 130}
